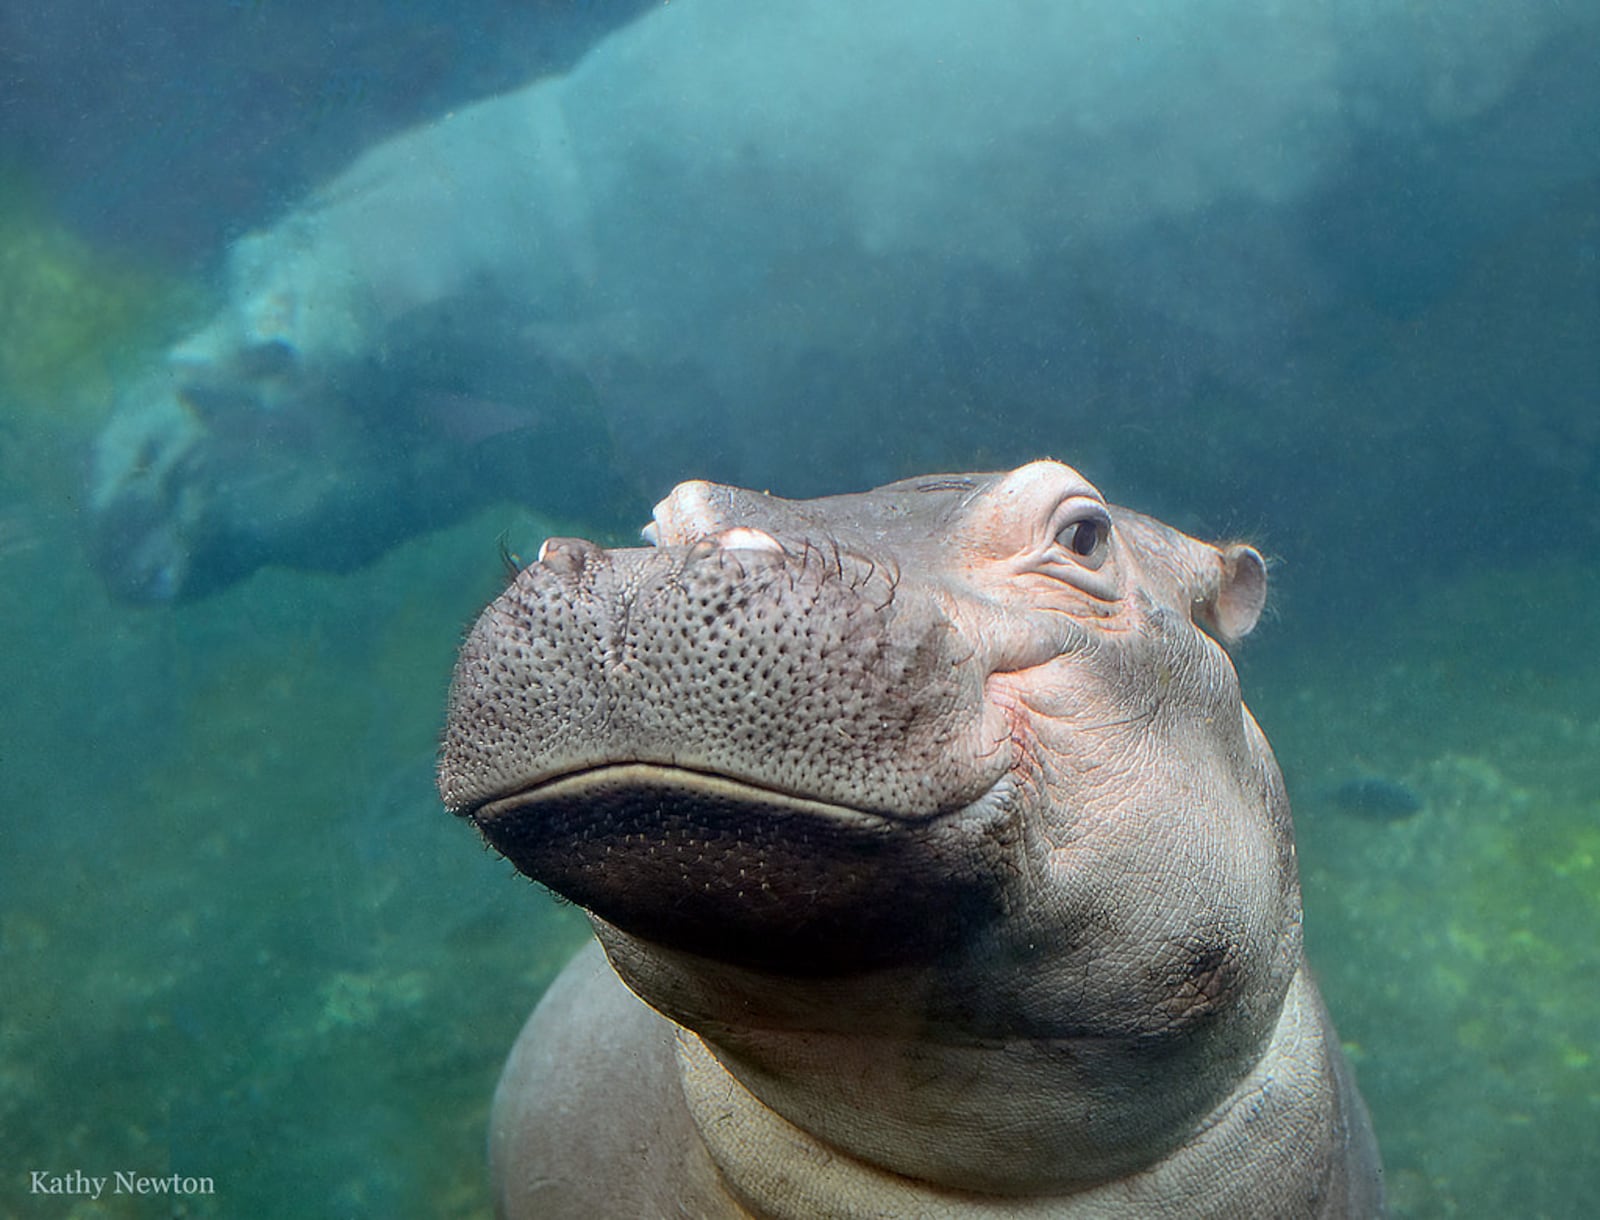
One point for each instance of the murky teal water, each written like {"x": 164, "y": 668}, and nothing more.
{"x": 241, "y": 943}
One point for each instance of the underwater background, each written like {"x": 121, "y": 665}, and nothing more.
{"x": 240, "y": 938}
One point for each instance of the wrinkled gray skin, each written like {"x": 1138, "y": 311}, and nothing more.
{"x": 940, "y": 870}
{"x": 731, "y": 216}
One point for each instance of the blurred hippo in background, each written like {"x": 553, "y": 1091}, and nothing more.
{"x": 938, "y": 868}
{"x": 757, "y": 239}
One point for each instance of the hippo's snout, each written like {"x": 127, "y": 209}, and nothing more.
{"x": 811, "y": 674}
{"x": 666, "y": 734}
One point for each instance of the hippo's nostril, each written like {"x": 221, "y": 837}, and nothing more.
{"x": 566, "y": 556}
{"x": 701, "y": 550}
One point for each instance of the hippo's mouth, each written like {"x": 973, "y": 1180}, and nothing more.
{"x": 725, "y": 868}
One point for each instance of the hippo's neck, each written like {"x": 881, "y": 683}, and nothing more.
{"x": 888, "y": 1072}
{"x": 777, "y": 1171}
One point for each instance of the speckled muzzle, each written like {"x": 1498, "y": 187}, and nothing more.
{"x": 764, "y": 754}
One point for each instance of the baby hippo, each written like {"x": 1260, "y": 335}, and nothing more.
{"x": 936, "y": 866}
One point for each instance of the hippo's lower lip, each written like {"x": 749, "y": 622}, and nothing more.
{"x": 728, "y": 869}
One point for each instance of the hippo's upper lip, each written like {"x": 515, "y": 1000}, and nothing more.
{"x": 596, "y": 783}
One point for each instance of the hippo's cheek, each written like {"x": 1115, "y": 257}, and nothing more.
{"x": 1044, "y": 726}
{"x": 1009, "y": 725}
{"x": 730, "y": 870}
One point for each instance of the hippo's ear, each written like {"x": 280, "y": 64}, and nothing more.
{"x": 1230, "y": 613}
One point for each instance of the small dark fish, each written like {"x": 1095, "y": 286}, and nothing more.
{"x": 1372, "y": 796}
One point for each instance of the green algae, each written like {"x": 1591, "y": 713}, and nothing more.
{"x": 72, "y": 316}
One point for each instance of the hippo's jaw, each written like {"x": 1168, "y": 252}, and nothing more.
{"x": 731, "y": 870}
{"x": 192, "y": 490}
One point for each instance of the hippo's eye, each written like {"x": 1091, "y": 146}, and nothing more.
{"x": 1088, "y": 538}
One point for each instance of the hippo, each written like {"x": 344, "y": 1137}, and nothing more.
{"x": 935, "y": 865}
{"x": 727, "y": 217}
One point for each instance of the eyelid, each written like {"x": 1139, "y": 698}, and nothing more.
{"x": 1075, "y": 507}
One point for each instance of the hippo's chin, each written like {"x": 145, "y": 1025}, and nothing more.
{"x": 727, "y": 869}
